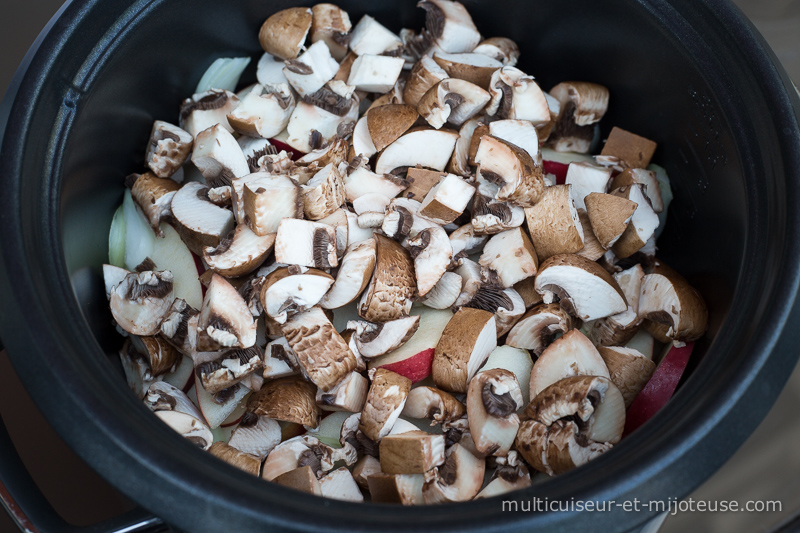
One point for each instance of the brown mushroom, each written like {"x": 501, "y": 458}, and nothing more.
{"x": 239, "y": 254}
{"x": 413, "y": 452}
{"x": 388, "y": 122}
{"x": 629, "y": 148}
{"x": 284, "y": 33}
{"x": 539, "y": 327}
{"x": 225, "y": 320}
{"x": 289, "y": 399}
{"x": 141, "y": 300}
{"x": 306, "y": 243}
{"x": 668, "y": 299}
{"x": 512, "y": 169}
{"x": 554, "y": 223}
{"x": 493, "y": 399}
{"x": 609, "y": 216}
{"x": 452, "y": 100}
{"x": 331, "y": 24}
{"x": 433, "y": 404}
{"x": 458, "y": 479}
{"x": 243, "y": 461}
{"x": 168, "y": 149}
{"x": 573, "y": 354}
{"x": 466, "y": 342}
{"x": 302, "y": 479}
{"x": 629, "y": 370}
{"x": 385, "y": 400}
{"x": 511, "y": 255}
{"x": 392, "y": 287}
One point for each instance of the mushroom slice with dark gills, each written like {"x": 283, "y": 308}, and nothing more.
{"x": 137, "y": 371}
{"x": 306, "y": 243}
{"x": 199, "y": 222}
{"x": 322, "y": 353}
{"x": 670, "y": 301}
{"x": 229, "y": 369}
{"x": 493, "y": 399}
{"x": 539, "y": 327}
{"x": 292, "y": 290}
{"x": 402, "y": 219}
{"x": 349, "y": 395}
{"x": 518, "y": 176}
{"x": 264, "y": 112}
{"x": 570, "y": 355}
{"x": 466, "y": 342}
{"x": 447, "y": 200}
{"x": 458, "y": 479}
{"x": 353, "y": 276}
{"x": 284, "y": 33}
{"x": 207, "y": 109}
{"x": 279, "y": 360}
{"x": 256, "y": 435}
{"x": 452, "y": 101}
{"x": 515, "y": 95}
{"x": 434, "y": 404}
{"x": 219, "y": 157}
{"x": 141, "y": 300}
{"x": 570, "y": 423}
{"x": 301, "y": 451}
{"x": 385, "y": 401}
{"x": 266, "y": 200}
{"x": 175, "y": 409}
{"x": 391, "y": 290}
{"x": 168, "y": 149}
{"x": 373, "y": 340}
{"x": 161, "y": 355}
{"x": 510, "y": 474}
{"x": 288, "y": 399}
{"x": 243, "y": 461}
{"x": 617, "y": 330}
{"x": 239, "y": 254}
{"x": 331, "y": 24}
{"x": 225, "y": 320}
{"x": 583, "y": 287}
{"x": 450, "y": 26}
{"x": 179, "y": 326}
{"x": 590, "y": 100}
{"x": 189, "y": 427}
{"x": 324, "y": 193}
{"x": 432, "y": 254}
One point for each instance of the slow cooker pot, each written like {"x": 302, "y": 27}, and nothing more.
{"x": 692, "y": 74}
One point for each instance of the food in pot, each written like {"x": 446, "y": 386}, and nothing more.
{"x": 391, "y": 271}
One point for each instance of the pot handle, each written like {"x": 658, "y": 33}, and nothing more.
{"x": 32, "y": 513}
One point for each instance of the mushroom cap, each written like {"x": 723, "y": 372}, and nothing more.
{"x": 519, "y": 177}
{"x": 592, "y": 249}
{"x": 424, "y": 74}
{"x": 466, "y": 342}
{"x": 141, "y": 300}
{"x": 405, "y": 489}
{"x": 537, "y": 329}
{"x": 289, "y": 399}
{"x": 225, "y": 320}
{"x": 302, "y": 479}
{"x": 385, "y": 400}
{"x": 643, "y": 223}
{"x": 472, "y": 67}
{"x": 154, "y": 197}
{"x": 452, "y": 100}
{"x": 554, "y": 223}
{"x": 458, "y": 479}
{"x": 633, "y": 150}
{"x": 515, "y": 95}
{"x": 609, "y": 216}
{"x": 668, "y": 299}
{"x": 290, "y": 290}
{"x": 446, "y": 201}
{"x": 241, "y": 460}
{"x": 239, "y": 254}
{"x": 629, "y": 370}
{"x": 571, "y": 355}
{"x": 631, "y": 176}
{"x": 168, "y": 149}
{"x": 388, "y": 122}
{"x": 324, "y": 193}
{"x": 450, "y": 25}
{"x": 585, "y": 289}
{"x": 493, "y": 399}
{"x": 433, "y": 404}
{"x": 432, "y": 253}
{"x": 349, "y": 395}
{"x": 331, "y": 24}
{"x": 284, "y": 33}
{"x": 392, "y": 287}
{"x": 502, "y": 49}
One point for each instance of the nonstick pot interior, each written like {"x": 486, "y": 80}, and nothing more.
{"x": 689, "y": 74}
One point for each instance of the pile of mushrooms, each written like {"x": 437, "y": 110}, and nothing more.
{"x": 400, "y": 304}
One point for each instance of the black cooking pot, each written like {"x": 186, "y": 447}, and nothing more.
{"x": 691, "y": 74}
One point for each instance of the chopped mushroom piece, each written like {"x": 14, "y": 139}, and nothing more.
{"x": 269, "y": 71}
{"x": 141, "y": 300}
{"x": 450, "y": 25}
{"x": 218, "y": 156}
{"x": 198, "y": 221}
{"x": 425, "y": 74}
{"x": 609, "y": 216}
{"x": 154, "y": 197}
{"x": 363, "y": 181}
{"x": 207, "y": 109}
{"x": 412, "y": 452}
{"x": 405, "y": 489}
{"x": 471, "y": 67}
{"x": 493, "y": 399}
{"x": 289, "y": 399}
{"x": 502, "y": 49}
{"x": 180, "y": 326}
{"x": 239, "y": 254}
{"x": 392, "y": 287}
{"x": 490, "y": 217}
{"x": 225, "y": 320}
{"x": 631, "y": 176}
{"x": 432, "y": 253}
{"x": 509, "y": 311}
{"x": 512, "y": 169}
{"x": 280, "y": 360}
{"x": 452, "y": 100}
{"x": 520, "y": 133}
{"x": 466, "y": 342}
{"x": 421, "y": 181}
{"x": 268, "y": 199}
{"x": 570, "y": 355}
{"x": 516, "y": 95}
{"x": 668, "y": 299}
{"x": 554, "y": 224}
{"x": 570, "y": 423}
{"x": 354, "y": 274}
{"x": 322, "y": 353}
{"x": 458, "y": 479}
{"x": 465, "y": 241}
{"x": 447, "y": 200}
{"x": 388, "y": 122}
{"x": 310, "y": 71}
{"x": 168, "y": 149}
{"x": 590, "y": 100}
{"x": 539, "y": 327}
{"x": 244, "y": 461}
{"x": 628, "y": 148}
{"x": 365, "y": 467}
{"x": 428, "y": 148}
{"x": 510, "y": 474}
{"x": 349, "y": 395}
{"x": 444, "y": 294}
{"x": 433, "y": 404}
{"x": 371, "y": 37}
{"x": 302, "y": 479}
{"x": 229, "y": 368}
{"x": 310, "y": 126}
{"x": 586, "y": 178}
{"x": 264, "y": 112}
{"x": 331, "y": 24}
{"x": 374, "y": 73}
{"x": 373, "y": 340}
{"x": 189, "y": 427}
{"x": 284, "y": 33}
{"x": 162, "y": 357}
{"x": 298, "y": 452}
{"x": 511, "y": 255}
{"x": 643, "y": 223}
{"x": 385, "y": 400}
{"x": 629, "y": 370}
{"x": 306, "y": 243}
{"x": 340, "y": 485}
{"x": 324, "y": 193}
{"x": 617, "y": 330}
{"x": 256, "y": 435}
{"x": 583, "y": 287}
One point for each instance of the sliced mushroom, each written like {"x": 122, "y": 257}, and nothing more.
{"x": 571, "y": 422}
{"x": 340, "y": 485}
{"x": 570, "y": 355}
{"x": 433, "y": 404}
{"x": 428, "y": 148}
{"x": 466, "y": 342}
{"x": 362, "y": 181}
{"x": 189, "y": 427}
{"x": 554, "y": 223}
{"x": 629, "y": 149}
{"x": 425, "y": 74}
{"x": 154, "y": 196}
{"x": 312, "y": 70}
{"x": 465, "y": 241}
{"x": 284, "y": 33}
{"x": 509, "y": 311}
{"x": 264, "y": 112}
{"x": 243, "y": 461}
{"x": 515, "y": 95}
{"x": 349, "y": 395}
{"x": 631, "y": 176}
{"x": 331, "y": 24}
{"x": 280, "y": 360}
{"x": 268, "y": 199}
{"x": 388, "y": 122}
{"x": 511, "y": 255}
{"x": 609, "y": 216}
{"x": 527, "y": 291}
{"x": 168, "y": 149}
{"x": 444, "y": 294}
{"x": 405, "y": 489}
{"x": 141, "y": 300}
{"x": 269, "y": 71}
{"x": 385, "y": 400}
{"x": 198, "y": 221}
{"x": 218, "y": 156}
{"x": 520, "y": 133}
{"x": 452, "y": 100}
{"x": 162, "y": 357}
{"x": 420, "y": 182}
{"x": 589, "y": 99}
{"x": 539, "y": 327}
{"x": 362, "y": 144}
{"x": 371, "y": 37}
{"x": 510, "y": 474}
{"x": 617, "y": 330}
{"x": 432, "y": 253}
{"x": 207, "y": 109}
{"x": 472, "y": 67}
{"x": 458, "y": 479}
{"x": 180, "y": 326}
{"x": 162, "y": 396}
{"x": 353, "y": 276}
{"x": 502, "y": 49}
{"x": 460, "y": 161}
{"x": 302, "y": 479}
{"x": 392, "y": 287}
{"x": 512, "y": 169}
{"x": 338, "y": 219}
{"x": 300, "y": 452}
{"x": 240, "y": 254}
{"x": 450, "y": 25}
{"x": 490, "y": 217}
{"x": 375, "y": 73}
{"x": 643, "y": 223}
{"x": 493, "y": 399}
{"x": 413, "y": 452}
{"x": 373, "y": 340}
{"x": 586, "y": 178}
{"x": 256, "y": 435}
{"x": 472, "y": 279}
{"x": 306, "y": 243}
{"x": 629, "y": 370}
{"x": 583, "y": 287}
{"x": 229, "y": 369}
{"x": 289, "y": 399}
{"x": 365, "y": 467}
{"x": 669, "y": 300}
{"x": 225, "y": 320}
{"x": 447, "y": 200}
{"x": 324, "y": 193}
{"x": 310, "y": 127}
